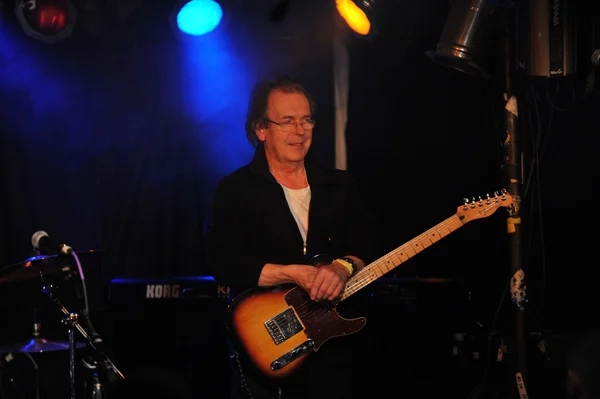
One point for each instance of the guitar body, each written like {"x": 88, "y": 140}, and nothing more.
{"x": 279, "y": 328}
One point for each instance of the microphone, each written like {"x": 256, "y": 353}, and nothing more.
{"x": 44, "y": 243}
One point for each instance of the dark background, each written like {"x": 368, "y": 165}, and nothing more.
{"x": 114, "y": 139}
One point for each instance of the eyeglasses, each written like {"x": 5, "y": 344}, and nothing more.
{"x": 291, "y": 126}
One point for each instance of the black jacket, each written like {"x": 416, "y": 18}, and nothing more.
{"x": 251, "y": 223}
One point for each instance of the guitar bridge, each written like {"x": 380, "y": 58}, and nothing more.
{"x": 283, "y": 326}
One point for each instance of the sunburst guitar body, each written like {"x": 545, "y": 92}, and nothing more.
{"x": 279, "y": 327}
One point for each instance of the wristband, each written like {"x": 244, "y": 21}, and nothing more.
{"x": 346, "y": 264}
{"x": 353, "y": 263}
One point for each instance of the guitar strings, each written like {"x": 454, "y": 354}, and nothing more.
{"x": 380, "y": 267}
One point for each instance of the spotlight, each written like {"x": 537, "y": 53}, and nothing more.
{"x": 46, "y": 20}
{"x": 359, "y": 15}
{"x": 460, "y": 44}
{"x": 199, "y": 17}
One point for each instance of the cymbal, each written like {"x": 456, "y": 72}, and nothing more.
{"x": 33, "y": 266}
{"x": 39, "y": 345}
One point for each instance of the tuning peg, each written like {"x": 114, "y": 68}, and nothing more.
{"x": 480, "y": 201}
{"x": 487, "y": 199}
{"x": 496, "y": 196}
{"x": 465, "y": 202}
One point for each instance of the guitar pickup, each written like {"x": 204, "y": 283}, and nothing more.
{"x": 283, "y": 326}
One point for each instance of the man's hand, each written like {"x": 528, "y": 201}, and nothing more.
{"x": 305, "y": 275}
{"x": 322, "y": 283}
{"x": 329, "y": 282}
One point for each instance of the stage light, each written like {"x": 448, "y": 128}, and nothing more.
{"x": 46, "y": 20}
{"x": 359, "y": 15}
{"x": 460, "y": 45}
{"x": 199, "y": 17}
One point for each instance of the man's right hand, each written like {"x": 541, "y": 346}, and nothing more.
{"x": 305, "y": 276}
{"x": 274, "y": 274}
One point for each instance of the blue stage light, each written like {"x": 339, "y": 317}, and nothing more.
{"x": 199, "y": 17}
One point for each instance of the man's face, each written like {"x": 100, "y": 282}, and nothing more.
{"x": 286, "y": 108}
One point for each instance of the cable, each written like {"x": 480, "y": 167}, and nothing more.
{"x": 540, "y": 118}
{"x": 86, "y": 308}
{"x": 551, "y": 102}
{"x": 486, "y": 372}
{"x": 540, "y": 146}
{"x": 497, "y": 127}
{"x": 36, "y": 375}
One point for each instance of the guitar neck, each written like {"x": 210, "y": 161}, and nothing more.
{"x": 390, "y": 261}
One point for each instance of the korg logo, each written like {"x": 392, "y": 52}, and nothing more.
{"x": 162, "y": 291}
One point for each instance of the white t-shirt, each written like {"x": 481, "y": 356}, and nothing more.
{"x": 299, "y": 201}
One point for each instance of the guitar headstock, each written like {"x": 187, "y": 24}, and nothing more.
{"x": 478, "y": 208}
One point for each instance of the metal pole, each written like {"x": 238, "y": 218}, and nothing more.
{"x": 71, "y": 320}
{"x": 512, "y": 168}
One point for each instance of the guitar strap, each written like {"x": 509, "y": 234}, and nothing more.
{"x": 235, "y": 356}
{"x": 242, "y": 379}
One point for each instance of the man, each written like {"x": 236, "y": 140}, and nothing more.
{"x": 272, "y": 216}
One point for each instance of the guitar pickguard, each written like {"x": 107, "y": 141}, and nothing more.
{"x": 320, "y": 319}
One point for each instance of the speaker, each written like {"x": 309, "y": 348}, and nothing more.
{"x": 168, "y": 337}
{"x": 546, "y": 38}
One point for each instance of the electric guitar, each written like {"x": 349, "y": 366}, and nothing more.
{"x": 276, "y": 328}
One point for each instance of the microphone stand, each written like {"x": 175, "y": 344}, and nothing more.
{"x": 71, "y": 320}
